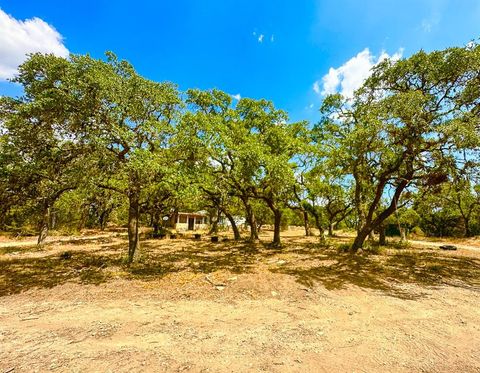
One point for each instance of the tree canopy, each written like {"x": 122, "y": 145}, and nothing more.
{"x": 95, "y": 134}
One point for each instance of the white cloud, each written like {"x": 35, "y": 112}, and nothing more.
{"x": 237, "y": 97}
{"x": 18, "y": 38}
{"x": 272, "y": 38}
{"x": 260, "y": 38}
{"x": 351, "y": 75}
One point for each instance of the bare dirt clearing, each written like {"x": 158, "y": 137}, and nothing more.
{"x": 194, "y": 306}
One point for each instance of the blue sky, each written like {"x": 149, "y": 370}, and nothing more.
{"x": 272, "y": 49}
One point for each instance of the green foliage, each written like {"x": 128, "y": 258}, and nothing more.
{"x": 92, "y": 141}
{"x": 410, "y": 120}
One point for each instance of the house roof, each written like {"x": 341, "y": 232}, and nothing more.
{"x": 195, "y": 214}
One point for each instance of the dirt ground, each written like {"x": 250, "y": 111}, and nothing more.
{"x": 195, "y": 306}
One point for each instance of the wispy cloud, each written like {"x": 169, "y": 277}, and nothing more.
{"x": 350, "y": 76}
{"x": 262, "y": 37}
{"x": 19, "y": 38}
{"x": 428, "y": 24}
{"x": 237, "y": 97}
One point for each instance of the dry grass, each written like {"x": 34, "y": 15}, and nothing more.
{"x": 195, "y": 306}
{"x": 99, "y": 260}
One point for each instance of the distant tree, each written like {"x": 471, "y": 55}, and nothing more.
{"x": 275, "y": 146}
{"x": 456, "y": 200}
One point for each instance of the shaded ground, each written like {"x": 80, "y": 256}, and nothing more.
{"x": 194, "y": 306}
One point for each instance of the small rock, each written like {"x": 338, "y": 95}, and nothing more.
{"x": 281, "y": 262}
{"x": 360, "y": 251}
{"x": 274, "y": 293}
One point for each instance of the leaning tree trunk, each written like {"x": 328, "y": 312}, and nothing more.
{"x": 133, "y": 224}
{"x": 236, "y": 232}
{"x": 43, "y": 226}
{"x": 362, "y": 235}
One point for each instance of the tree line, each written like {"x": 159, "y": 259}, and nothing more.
{"x": 91, "y": 140}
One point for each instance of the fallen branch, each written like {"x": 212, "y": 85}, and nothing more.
{"x": 217, "y": 286}
{"x": 29, "y": 318}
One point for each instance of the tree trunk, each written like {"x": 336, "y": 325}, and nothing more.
{"x": 214, "y": 228}
{"x": 133, "y": 222}
{"x": 53, "y": 219}
{"x": 403, "y": 234}
{"x": 236, "y": 232}
{"x": 362, "y": 235}
{"x": 277, "y": 214}
{"x": 156, "y": 224}
{"x": 104, "y": 218}
{"x": 83, "y": 218}
{"x": 43, "y": 226}
{"x": 320, "y": 228}
{"x": 3, "y": 218}
{"x": 330, "y": 229}
{"x": 251, "y": 220}
{"x": 467, "y": 231}
{"x": 382, "y": 239}
{"x": 308, "y": 231}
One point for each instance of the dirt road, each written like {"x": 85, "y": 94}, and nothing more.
{"x": 438, "y": 244}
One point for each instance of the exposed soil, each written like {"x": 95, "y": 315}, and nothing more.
{"x": 194, "y": 306}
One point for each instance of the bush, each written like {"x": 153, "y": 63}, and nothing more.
{"x": 344, "y": 247}
{"x": 374, "y": 249}
{"x": 417, "y": 231}
{"x": 401, "y": 245}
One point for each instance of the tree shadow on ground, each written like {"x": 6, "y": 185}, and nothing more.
{"x": 388, "y": 272}
{"x": 309, "y": 263}
{"x": 20, "y": 274}
{"x": 201, "y": 256}
{"x": 98, "y": 265}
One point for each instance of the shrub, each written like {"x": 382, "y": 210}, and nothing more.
{"x": 417, "y": 231}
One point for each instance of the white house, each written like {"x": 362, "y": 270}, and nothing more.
{"x": 190, "y": 221}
